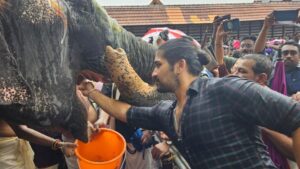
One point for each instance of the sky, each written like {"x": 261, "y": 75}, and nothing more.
{"x": 166, "y": 2}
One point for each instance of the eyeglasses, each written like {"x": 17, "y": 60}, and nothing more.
{"x": 291, "y": 52}
{"x": 246, "y": 46}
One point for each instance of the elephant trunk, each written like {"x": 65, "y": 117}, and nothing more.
{"x": 132, "y": 88}
{"x": 109, "y": 32}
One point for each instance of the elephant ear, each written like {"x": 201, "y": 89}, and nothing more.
{"x": 132, "y": 88}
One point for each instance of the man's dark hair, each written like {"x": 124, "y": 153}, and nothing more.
{"x": 262, "y": 63}
{"x": 236, "y": 54}
{"x": 184, "y": 48}
{"x": 291, "y": 42}
{"x": 250, "y": 37}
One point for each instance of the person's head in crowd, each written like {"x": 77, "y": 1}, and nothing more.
{"x": 290, "y": 53}
{"x": 253, "y": 67}
{"x": 215, "y": 71}
{"x": 175, "y": 59}
{"x": 163, "y": 37}
{"x": 236, "y": 54}
{"x": 247, "y": 44}
{"x": 226, "y": 50}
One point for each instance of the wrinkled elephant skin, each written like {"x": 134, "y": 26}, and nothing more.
{"x": 38, "y": 68}
{"x": 43, "y": 46}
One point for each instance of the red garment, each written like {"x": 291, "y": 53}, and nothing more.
{"x": 236, "y": 44}
{"x": 278, "y": 159}
{"x": 279, "y": 85}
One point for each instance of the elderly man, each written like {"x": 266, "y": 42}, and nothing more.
{"x": 258, "y": 69}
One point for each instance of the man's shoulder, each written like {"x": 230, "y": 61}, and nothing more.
{"x": 295, "y": 73}
{"x": 227, "y": 83}
{"x": 165, "y": 103}
{"x": 297, "y": 69}
{"x": 226, "y": 79}
{"x": 293, "y": 81}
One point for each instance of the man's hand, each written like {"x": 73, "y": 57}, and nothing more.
{"x": 296, "y": 96}
{"x": 86, "y": 87}
{"x": 67, "y": 148}
{"x": 220, "y": 31}
{"x": 95, "y": 128}
{"x": 100, "y": 123}
{"x": 160, "y": 150}
{"x": 146, "y": 136}
{"x": 269, "y": 21}
{"x": 163, "y": 136}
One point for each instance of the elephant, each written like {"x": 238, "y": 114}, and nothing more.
{"x": 44, "y": 45}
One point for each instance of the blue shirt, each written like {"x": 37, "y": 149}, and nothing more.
{"x": 293, "y": 81}
{"x": 219, "y": 122}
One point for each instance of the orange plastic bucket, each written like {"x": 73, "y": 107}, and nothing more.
{"x": 104, "y": 151}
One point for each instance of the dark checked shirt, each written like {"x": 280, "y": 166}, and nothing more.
{"x": 219, "y": 122}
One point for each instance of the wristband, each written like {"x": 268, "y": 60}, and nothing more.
{"x": 91, "y": 91}
{"x": 54, "y": 145}
{"x": 219, "y": 45}
{"x": 168, "y": 142}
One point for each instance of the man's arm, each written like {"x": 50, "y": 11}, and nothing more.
{"x": 282, "y": 142}
{"x": 262, "y": 106}
{"x": 296, "y": 96}
{"x": 22, "y": 131}
{"x": 262, "y": 37}
{"x": 90, "y": 110}
{"x": 33, "y": 136}
{"x": 296, "y": 145}
{"x": 113, "y": 107}
{"x": 219, "y": 51}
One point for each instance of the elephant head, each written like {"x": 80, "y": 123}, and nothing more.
{"x": 43, "y": 47}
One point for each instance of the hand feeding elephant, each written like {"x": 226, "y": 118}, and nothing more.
{"x": 44, "y": 44}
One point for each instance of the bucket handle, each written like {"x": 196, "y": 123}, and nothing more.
{"x": 123, "y": 162}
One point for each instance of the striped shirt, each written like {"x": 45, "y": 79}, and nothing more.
{"x": 219, "y": 122}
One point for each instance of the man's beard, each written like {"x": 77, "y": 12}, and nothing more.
{"x": 167, "y": 88}
{"x": 246, "y": 52}
{"x": 162, "y": 88}
{"x": 289, "y": 65}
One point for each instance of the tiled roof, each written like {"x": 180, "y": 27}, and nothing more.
{"x": 193, "y": 14}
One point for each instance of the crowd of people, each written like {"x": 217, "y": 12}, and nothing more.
{"x": 242, "y": 112}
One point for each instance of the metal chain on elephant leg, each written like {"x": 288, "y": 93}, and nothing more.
{"x": 129, "y": 83}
